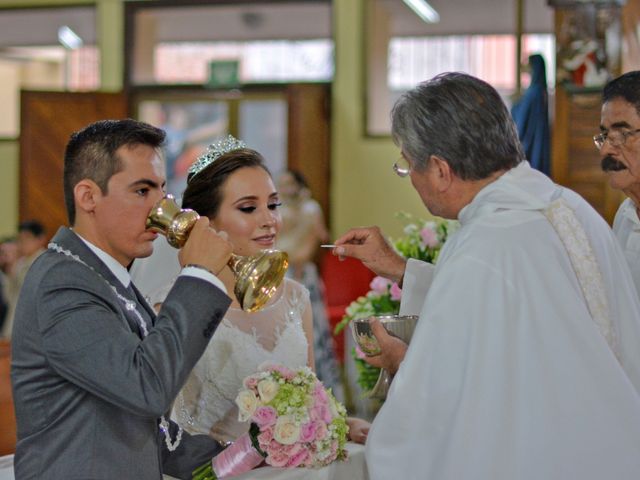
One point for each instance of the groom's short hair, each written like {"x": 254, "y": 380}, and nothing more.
{"x": 91, "y": 153}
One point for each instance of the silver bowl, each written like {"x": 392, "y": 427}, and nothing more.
{"x": 400, "y": 326}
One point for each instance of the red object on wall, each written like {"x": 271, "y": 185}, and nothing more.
{"x": 344, "y": 281}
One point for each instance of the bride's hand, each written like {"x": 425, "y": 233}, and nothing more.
{"x": 358, "y": 429}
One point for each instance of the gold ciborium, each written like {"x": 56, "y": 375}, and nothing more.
{"x": 257, "y": 276}
{"x": 401, "y": 326}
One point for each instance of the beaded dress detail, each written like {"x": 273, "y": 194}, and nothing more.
{"x": 239, "y": 345}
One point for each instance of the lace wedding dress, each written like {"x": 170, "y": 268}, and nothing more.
{"x": 240, "y": 344}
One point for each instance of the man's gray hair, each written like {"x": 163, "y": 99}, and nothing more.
{"x": 460, "y": 119}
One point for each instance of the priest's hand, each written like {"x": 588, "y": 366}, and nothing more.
{"x": 392, "y": 349}
{"x": 368, "y": 245}
{"x": 206, "y": 248}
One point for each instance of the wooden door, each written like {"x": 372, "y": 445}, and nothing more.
{"x": 47, "y": 120}
{"x": 7, "y": 417}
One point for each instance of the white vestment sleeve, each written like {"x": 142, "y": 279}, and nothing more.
{"x": 418, "y": 276}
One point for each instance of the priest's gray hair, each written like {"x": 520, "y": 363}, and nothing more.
{"x": 460, "y": 119}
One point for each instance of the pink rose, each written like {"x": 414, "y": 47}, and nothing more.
{"x": 308, "y": 432}
{"x": 287, "y": 373}
{"x": 250, "y": 382}
{"x": 379, "y": 285}
{"x": 274, "y": 446}
{"x": 321, "y": 431}
{"x": 265, "y": 437}
{"x": 319, "y": 394}
{"x": 334, "y": 448}
{"x": 277, "y": 458}
{"x": 396, "y": 292}
{"x": 298, "y": 459}
{"x": 321, "y": 412}
{"x": 291, "y": 450}
{"x": 264, "y": 416}
{"x": 429, "y": 237}
{"x": 359, "y": 353}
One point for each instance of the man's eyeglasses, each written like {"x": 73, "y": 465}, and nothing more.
{"x": 615, "y": 138}
{"x": 402, "y": 167}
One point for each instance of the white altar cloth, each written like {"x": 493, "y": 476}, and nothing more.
{"x": 354, "y": 468}
{"x": 6, "y": 467}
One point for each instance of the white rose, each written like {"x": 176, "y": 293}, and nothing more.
{"x": 286, "y": 431}
{"x": 267, "y": 389}
{"x": 247, "y": 404}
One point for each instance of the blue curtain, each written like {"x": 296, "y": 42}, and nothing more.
{"x": 531, "y": 114}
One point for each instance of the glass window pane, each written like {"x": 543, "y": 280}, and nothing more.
{"x": 271, "y": 41}
{"x": 264, "y": 61}
{"x": 489, "y": 57}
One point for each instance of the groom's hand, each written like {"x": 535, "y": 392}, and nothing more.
{"x": 368, "y": 245}
{"x": 206, "y": 247}
{"x": 392, "y": 349}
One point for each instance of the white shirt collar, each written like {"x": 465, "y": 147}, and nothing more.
{"x": 630, "y": 212}
{"x": 121, "y": 273}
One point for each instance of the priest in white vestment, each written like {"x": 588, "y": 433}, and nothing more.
{"x": 525, "y": 363}
{"x": 619, "y": 142}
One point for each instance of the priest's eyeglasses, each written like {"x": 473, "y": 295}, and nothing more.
{"x": 615, "y": 138}
{"x": 402, "y": 167}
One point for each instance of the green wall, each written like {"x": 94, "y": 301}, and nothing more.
{"x": 8, "y": 187}
{"x": 364, "y": 189}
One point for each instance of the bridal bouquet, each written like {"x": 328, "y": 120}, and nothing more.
{"x": 296, "y": 421}
{"x": 422, "y": 240}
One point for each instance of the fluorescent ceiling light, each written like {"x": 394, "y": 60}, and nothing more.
{"x": 68, "y": 38}
{"x": 423, "y": 10}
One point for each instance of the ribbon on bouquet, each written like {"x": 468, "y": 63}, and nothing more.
{"x": 239, "y": 457}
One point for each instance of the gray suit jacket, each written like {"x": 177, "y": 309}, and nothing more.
{"x": 88, "y": 390}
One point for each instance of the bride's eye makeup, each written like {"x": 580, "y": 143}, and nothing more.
{"x": 274, "y": 206}
{"x": 247, "y": 209}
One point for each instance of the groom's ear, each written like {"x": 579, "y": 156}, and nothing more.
{"x": 87, "y": 195}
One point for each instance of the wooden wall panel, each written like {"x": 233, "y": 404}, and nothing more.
{"x": 309, "y": 138}
{"x": 47, "y": 121}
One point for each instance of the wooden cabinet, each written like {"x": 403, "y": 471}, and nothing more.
{"x": 575, "y": 160}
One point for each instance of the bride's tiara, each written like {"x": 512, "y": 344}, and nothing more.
{"x": 214, "y": 151}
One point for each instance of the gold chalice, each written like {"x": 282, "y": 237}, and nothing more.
{"x": 257, "y": 276}
{"x": 401, "y": 326}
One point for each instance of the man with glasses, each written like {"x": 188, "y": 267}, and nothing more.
{"x": 525, "y": 362}
{"x": 619, "y": 145}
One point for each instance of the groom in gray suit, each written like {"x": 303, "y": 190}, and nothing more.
{"x": 94, "y": 370}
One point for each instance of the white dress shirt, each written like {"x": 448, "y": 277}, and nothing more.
{"x": 626, "y": 226}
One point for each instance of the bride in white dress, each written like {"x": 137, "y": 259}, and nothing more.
{"x": 231, "y": 185}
